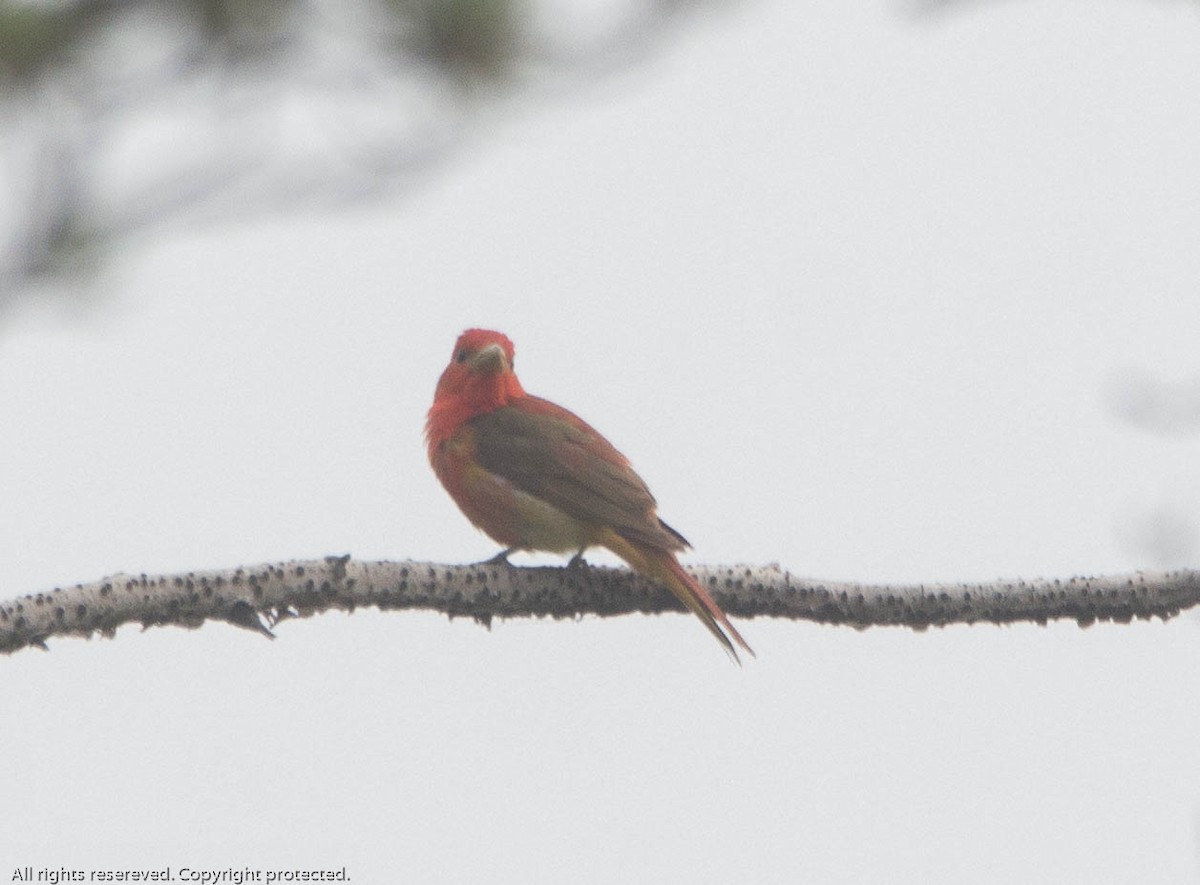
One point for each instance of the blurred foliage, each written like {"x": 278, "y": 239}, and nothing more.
{"x": 472, "y": 37}
{"x": 123, "y": 117}
{"x": 1169, "y": 408}
{"x": 32, "y": 37}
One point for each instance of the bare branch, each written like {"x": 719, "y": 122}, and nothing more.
{"x": 259, "y": 597}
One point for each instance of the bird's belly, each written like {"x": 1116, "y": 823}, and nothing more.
{"x": 545, "y": 527}
{"x": 516, "y": 518}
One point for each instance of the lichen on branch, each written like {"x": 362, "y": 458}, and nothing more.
{"x": 259, "y": 597}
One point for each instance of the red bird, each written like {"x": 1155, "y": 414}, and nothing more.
{"x": 534, "y": 476}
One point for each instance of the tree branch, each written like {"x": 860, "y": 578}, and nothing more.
{"x": 259, "y": 597}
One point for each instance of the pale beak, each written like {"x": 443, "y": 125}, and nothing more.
{"x": 490, "y": 361}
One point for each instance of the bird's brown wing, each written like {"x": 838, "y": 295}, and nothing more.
{"x": 552, "y": 454}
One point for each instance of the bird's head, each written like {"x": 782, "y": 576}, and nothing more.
{"x": 480, "y": 375}
{"x": 482, "y": 352}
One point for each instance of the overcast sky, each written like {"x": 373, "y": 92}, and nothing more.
{"x": 860, "y": 292}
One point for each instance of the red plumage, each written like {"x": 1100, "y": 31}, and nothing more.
{"x": 535, "y": 476}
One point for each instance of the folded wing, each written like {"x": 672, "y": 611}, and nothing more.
{"x": 549, "y": 452}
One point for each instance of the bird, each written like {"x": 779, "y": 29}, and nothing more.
{"x": 535, "y": 476}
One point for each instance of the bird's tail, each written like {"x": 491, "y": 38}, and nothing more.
{"x": 662, "y": 566}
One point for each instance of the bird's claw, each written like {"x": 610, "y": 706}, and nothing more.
{"x": 500, "y": 558}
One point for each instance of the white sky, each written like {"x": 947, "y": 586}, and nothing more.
{"x": 853, "y": 290}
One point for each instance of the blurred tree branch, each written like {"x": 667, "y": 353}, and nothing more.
{"x": 259, "y": 597}
{"x": 128, "y": 117}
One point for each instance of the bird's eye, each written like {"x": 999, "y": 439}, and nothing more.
{"x": 462, "y": 356}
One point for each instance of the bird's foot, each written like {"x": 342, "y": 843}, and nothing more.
{"x": 500, "y": 558}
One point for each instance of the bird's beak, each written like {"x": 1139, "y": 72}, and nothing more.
{"x": 490, "y": 361}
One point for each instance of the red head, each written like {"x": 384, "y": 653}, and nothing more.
{"x": 478, "y": 379}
